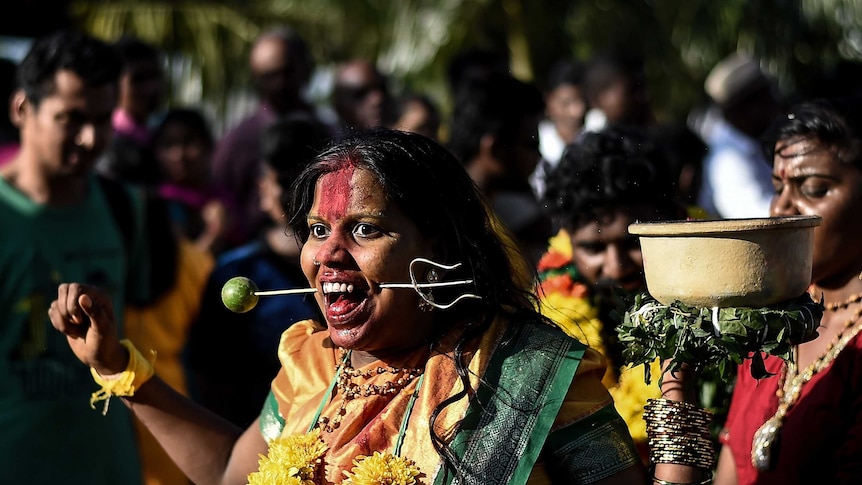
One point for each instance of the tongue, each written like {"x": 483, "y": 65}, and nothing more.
{"x": 343, "y": 305}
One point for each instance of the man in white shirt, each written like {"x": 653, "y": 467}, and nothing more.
{"x": 737, "y": 178}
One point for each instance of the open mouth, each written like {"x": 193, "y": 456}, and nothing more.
{"x": 342, "y": 300}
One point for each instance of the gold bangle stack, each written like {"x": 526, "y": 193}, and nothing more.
{"x": 678, "y": 433}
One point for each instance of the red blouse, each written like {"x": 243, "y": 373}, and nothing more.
{"x": 821, "y": 439}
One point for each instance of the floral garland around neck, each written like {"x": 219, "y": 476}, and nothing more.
{"x": 298, "y": 459}
{"x": 565, "y": 299}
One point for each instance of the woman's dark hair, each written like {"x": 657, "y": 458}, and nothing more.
{"x": 430, "y": 185}
{"x": 94, "y": 61}
{"x": 835, "y": 122}
{"x": 615, "y": 168}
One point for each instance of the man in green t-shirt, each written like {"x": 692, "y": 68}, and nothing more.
{"x": 57, "y": 225}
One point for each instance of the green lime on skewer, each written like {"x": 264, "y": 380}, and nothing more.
{"x": 238, "y": 294}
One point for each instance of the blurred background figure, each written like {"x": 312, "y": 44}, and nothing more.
{"x": 234, "y": 387}
{"x": 617, "y": 93}
{"x": 494, "y": 132}
{"x": 59, "y": 220}
{"x": 472, "y": 64}
{"x": 737, "y": 180}
{"x": 142, "y": 89}
{"x": 183, "y": 146}
{"x": 684, "y": 151}
{"x": 281, "y": 66}
{"x": 361, "y": 97}
{"x": 419, "y": 114}
{"x": 142, "y": 94}
{"x": 565, "y": 108}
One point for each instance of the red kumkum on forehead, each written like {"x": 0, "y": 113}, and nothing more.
{"x": 336, "y": 188}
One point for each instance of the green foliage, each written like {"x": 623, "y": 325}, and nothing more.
{"x": 713, "y": 341}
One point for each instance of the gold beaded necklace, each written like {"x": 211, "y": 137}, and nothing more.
{"x": 345, "y": 375}
{"x": 764, "y": 446}
{"x": 839, "y": 305}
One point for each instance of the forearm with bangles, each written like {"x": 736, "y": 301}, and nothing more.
{"x": 679, "y": 442}
{"x": 681, "y": 451}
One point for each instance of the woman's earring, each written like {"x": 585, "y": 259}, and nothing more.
{"x": 315, "y": 262}
{"x": 426, "y": 304}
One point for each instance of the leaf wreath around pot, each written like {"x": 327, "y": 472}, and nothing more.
{"x": 712, "y": 341}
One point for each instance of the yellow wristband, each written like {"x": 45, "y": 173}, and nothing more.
{"x": 138, "y": 371}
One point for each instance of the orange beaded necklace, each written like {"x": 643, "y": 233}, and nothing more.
{"x": 345, "y": 375}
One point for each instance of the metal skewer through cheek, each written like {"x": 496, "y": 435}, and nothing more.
{"x": 414, "y": 285}
{"x": 427, "y": 298}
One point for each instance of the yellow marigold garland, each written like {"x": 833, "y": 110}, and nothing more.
{"x": 382, "y": 469}
{"x": 291, "y": 460}
{"x": 565, "y": 300}
{"x": 297, "y": 459}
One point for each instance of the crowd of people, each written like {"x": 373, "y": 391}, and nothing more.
{"x": 467, "y": 279}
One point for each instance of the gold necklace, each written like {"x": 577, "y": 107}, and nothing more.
{"x": 764, "y": 447}
{"x": 838, "y": 305}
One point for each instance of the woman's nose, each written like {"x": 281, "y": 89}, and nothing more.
{"x": 782, "y": 204}
{"x": 333, "y": 251}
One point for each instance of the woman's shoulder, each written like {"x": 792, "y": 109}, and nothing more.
{"x": 303, "y": 336}
{"x": 535, "y": 342}
{"x": 307, "y": 358}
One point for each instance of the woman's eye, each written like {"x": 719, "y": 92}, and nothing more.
{"x": 366, "y": 231}
{"x": 814, "y": 190}
{"x": 318, "y": 231}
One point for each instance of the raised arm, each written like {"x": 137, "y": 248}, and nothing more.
{"x": 206, "y": 447}
{"x": 676, "y": 388}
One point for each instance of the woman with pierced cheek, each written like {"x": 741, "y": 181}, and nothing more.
{"x": 432, "y": 365}
{"x": 803, "y": 425}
